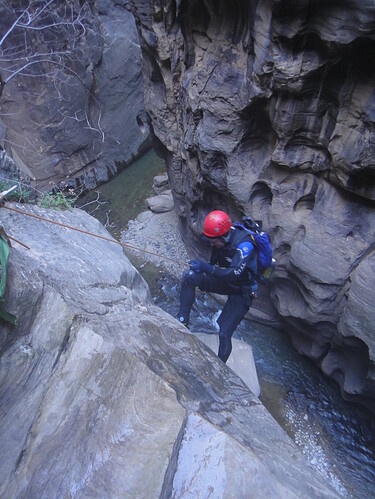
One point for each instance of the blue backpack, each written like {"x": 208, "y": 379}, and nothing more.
{"x": 263, "y": 247}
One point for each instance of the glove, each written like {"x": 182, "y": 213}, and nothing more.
{"x": 199, "y": 266}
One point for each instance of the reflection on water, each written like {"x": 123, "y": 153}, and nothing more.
{"x": 123, "y": 198}
{"x": 333, "y": 434}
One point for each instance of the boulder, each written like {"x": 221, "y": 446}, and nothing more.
{"x": 241, "y": 359}
{"x": 79, "y": 122}
{"x": 162, "y": 203}
{"x": 161, "y": 184}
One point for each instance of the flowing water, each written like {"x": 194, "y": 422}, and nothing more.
{"x": 337, "y": 438}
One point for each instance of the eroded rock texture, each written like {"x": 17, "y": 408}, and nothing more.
{"x": 102, "y": 394}
{"x": 267, "y": 108}
{"x": 78, "y": 116}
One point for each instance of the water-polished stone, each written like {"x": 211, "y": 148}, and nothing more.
{"x": 241, "y": 359}
{"x": 103, "y": 394}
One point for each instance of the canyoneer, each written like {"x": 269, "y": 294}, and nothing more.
{"x": 232, "y": 271}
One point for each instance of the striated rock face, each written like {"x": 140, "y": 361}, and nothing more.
{"x": 79, "y": 120}
{"x": 267, "y": 109}
{"x": 103, "y": 394}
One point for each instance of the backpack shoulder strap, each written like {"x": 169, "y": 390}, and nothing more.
{"x": 241, "y": 234}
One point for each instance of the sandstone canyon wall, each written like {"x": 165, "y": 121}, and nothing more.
{"x": 267, "y": 108}
{"x": 76, "y": 117}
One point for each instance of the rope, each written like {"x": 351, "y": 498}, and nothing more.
{"x": 111, "y": 240}
{"x": 17, "y": 241}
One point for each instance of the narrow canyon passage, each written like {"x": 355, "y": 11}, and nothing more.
{"x": 336, "y": 437}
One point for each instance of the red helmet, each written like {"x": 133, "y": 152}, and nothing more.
{"x": 216, "y": 224}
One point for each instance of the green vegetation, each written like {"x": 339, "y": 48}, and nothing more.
{"x": 56, "y": 199}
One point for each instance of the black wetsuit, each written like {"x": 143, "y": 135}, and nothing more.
{"x": 233, "y": 274}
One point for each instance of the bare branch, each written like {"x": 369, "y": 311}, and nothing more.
{"x": 90, "y": 127}
{"x": 94, "y": 201}
{"x": 30, "y": 19}
{"x": 49, "y": 61}
{"x": 11, "y": 29}
{"x": 44, "y": 39}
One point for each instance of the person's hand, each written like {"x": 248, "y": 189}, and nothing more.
{"x": 199, "y": 266}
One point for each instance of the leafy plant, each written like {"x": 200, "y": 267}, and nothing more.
{"x": 58, "y": 200}
{"x": 53, "y": 199}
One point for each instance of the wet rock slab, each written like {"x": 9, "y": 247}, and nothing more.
{"x": 103, "y": 394}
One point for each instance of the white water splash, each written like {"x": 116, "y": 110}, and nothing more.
{"x": 307, "y": 439}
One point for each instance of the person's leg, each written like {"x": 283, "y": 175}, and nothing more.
{"x": 232, "y": 314}
{"x": 191, "y": 280}
{"x": 187, "y": 295}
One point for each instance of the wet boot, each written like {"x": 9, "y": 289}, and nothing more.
{"x": 182, "y": 320}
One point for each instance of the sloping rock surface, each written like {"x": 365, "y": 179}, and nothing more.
{"x": 105, "y": 395}
{"x": 241, "y": 359}
{"x": 267, "y": 109}
{"x": 79, "y": 121}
